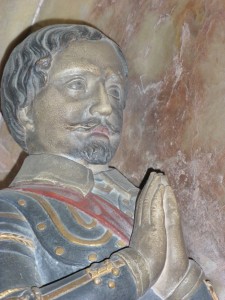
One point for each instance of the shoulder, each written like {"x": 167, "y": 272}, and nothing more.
{"x": 10, "y": 200}
{"x": 117, "y": 189}
{"x": 121, "y": 181}
{"x": 14, "y": 226}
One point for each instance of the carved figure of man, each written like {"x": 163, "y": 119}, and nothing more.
{"x": 67, "y": 218}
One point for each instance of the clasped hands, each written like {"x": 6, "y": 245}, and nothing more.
{"x": 157, "y": 239}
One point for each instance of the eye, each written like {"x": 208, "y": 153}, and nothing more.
{"x": 77, "y": 84}
{"x": 114, "y": 91}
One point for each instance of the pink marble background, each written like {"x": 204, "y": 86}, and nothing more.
{"x": 175, "y": 115}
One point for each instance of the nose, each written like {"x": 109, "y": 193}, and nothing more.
{"x": 101, "y": 104}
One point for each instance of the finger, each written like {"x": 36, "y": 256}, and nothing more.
{"x": 147, "y": 200}
{"x": 157, "y": 216}
{"x": 157, "y": 222}
{"x": 175, "y": 243}
{"x": 138, "y": 210}
{"x": 171, "y": 209}
{"x": 164, "y": 180}
{"x": 176, "y": 259}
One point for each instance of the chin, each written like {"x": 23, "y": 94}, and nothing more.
{"x": 97, "y": 152}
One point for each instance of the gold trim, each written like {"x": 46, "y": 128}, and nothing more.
{"x": 5, "y": 236}
{"x": 10, "y": 291}
{"x": 121, "y": 244}
{"x": 63, "y": 230}
{"x": 68, "y": 288}
{"x": 105, "y": 269}
{"x": 80, "y": 220}
{"x": 91, "y": 275}
{"x": 12, "y": 216}
{"x": 211, "y": 290}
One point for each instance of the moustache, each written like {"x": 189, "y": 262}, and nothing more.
{"x": 91, "y": 124}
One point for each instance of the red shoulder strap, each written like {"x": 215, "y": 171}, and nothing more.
{"x": 105, "y": 213}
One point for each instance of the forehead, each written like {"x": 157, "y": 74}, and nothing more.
{"x": 94, "y": 56}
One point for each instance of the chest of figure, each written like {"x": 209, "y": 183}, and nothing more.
{"x": 71, "y": 237}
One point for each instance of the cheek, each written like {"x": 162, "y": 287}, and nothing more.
{"x": 47, "y": 106}
{"x": 49, "y": 118}
{"x": 76, "y": 111}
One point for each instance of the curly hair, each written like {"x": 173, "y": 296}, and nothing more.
{"x": 26, "y": 71}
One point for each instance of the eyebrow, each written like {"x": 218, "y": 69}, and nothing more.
{"x": 77, "y": 70}
{"x": 114, "y": 77}
{"x": 90, "y": 69}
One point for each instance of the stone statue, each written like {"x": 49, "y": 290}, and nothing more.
{"x": 67, "y": 218}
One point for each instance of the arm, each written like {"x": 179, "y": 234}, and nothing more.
{"x": 18, "y": 273}
{"x": 126, "y": 274}
{"x": 130, "y": 272}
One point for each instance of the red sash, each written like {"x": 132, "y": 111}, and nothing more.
{"x": 105, "y": 213}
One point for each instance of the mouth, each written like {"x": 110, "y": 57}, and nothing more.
{"x": 102, "y": 130}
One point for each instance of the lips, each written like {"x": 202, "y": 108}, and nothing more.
{"x": 100, "y": 130}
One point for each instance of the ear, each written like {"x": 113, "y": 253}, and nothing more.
{"x": 25, "y": 117}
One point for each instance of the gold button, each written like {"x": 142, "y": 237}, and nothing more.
{"x": 22, "y": 202}
{"x": 97, "y": 280}
{"x": 59, "y": 251}
{"x": 115, "y": 271}
{"x": 111, "y": 284}
{"x": 92, "y": 257}
{"x": 41, "y": 226}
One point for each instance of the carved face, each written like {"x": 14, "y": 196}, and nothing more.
{"x": 79, "y": 113}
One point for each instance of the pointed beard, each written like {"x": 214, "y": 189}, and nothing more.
{"x": 97, "y": 152}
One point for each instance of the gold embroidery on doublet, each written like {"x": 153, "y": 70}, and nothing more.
{"x": 9, "y": 292}
{"x": 91, "y": 275}
{"x": 80, "y": 220}
{"x": 5, "y": 236}
{"x": 12, "y": 216}
{"x": 105, "y": 238}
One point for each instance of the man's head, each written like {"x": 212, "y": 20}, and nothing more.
{"x": 63, "y": 92}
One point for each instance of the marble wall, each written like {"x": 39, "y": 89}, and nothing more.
{"x": 175, "y": 115}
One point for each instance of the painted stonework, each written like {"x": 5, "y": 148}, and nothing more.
{"x": 175, "y": 113}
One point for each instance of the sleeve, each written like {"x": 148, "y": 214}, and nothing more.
{"x": 192, "y": 286}
{"x": 110, "y": 279}
{"x": 17, "y": 251}
{"x": 19, "y": 278}
{"x": 202, "y": 293}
